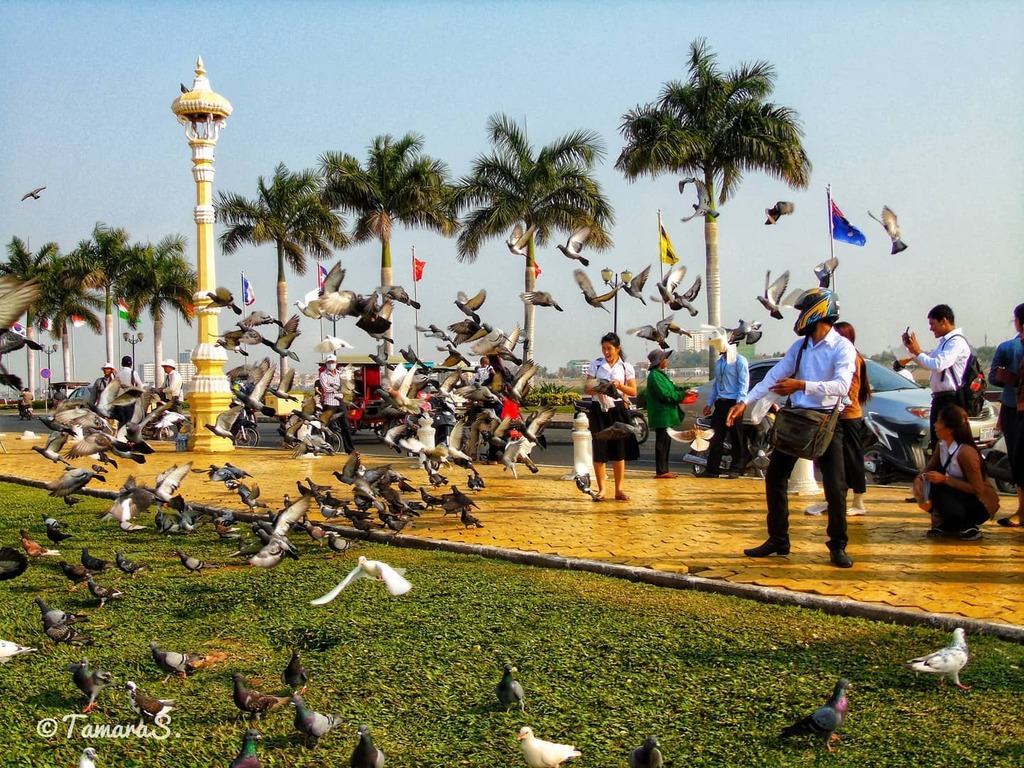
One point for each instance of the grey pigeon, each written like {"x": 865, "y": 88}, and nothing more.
{"x": 825, "y": 720}
{"x": 773, "y": 293}
{"x": 520, "y": 239}
{"x": 247, "y": 757}
{"x": 777, "y": 211}
{"x": 193, "y": 564}
{"x": 126, "y": 565}
{"x": 635, "y": 286}
{"x": 102, "y": 593}
{"x": 509, "y": 691}
{"x": 574, "y": 245}
{"x": 617, "y": 431}
{"x": 647, "y": 755}
{"x": 53, "y": 617}
{"x": 824, "y": 272}
{"x": 583, "y": 483}
{"x": 68, "y": 635}
{"x": 312, "y": 725}
{"x": 295, "y": 675}
{"x": 34, "y": 194}
{"x": 589, "y": 294}
{"x": 366, "y": 755}
{"x": 892, "y": 228}
{"x": 946, "y": 662}
{"x": 174, "y": 663}
{"x": 703, "y": 205}
{"x": 539, "y": 299}
{"x": 89, "y": 681}
{"x": 222, "y": 297}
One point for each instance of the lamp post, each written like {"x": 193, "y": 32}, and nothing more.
{"x": 133, "y": 339}
{"x": 203, "y": 113}
{"x": 615, "y": 282}
{"x": 48, "y": 350}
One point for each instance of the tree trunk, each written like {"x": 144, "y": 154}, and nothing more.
{"x": 158, "y": 349}
{"x": 65, "y": 352}
{"x": 30, "y": 333}
{"x": 714, "y": 289}
{"x": 529, "y": 310}
{"x": 282, "y": 300}
{"x": 108, "y": 325}
{"x": 385, "y": 279}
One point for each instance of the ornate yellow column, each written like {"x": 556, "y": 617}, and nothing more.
{"x": 203, "y": 113}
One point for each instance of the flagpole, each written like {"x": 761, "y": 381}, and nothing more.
{"x": 243, "y": 292}
{"x": 415, "y": 297}
{"x": 661, "y": 263}
{"x": 831, "y": 232}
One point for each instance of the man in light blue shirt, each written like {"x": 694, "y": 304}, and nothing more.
{"x": 732, "y": 379}
{"x": 815, "y": 373}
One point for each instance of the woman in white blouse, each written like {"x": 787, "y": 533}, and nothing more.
{"x": 607, "y": 409}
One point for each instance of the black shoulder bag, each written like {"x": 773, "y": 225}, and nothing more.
{"x": 803, "y": 432}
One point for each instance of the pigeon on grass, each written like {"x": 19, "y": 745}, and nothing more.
{"x": 295, "y": 675}
{"x": 946, "y": 662}
{"x": 247, "y": 757}
{"x": 251, "y": 701}
{"x": 88, "y": 758}
{"x": 366, "y": 755}
{"x": 312, "y": 724}
{"x": 9, "y": 650}
{"x": 146, "y": 706}
{"x": 647, "y": 755}
{"x": 367, "y": 569}
{"x": 544, "y": 754}
{"x": 825, "y": 720}
{"x": 89, "y": 681}
{"x": 509, "y": 691}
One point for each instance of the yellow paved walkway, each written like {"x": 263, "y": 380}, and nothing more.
{"x": 686, "y": 525}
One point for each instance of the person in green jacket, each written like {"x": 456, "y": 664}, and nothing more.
{"x": 663, "y": 398}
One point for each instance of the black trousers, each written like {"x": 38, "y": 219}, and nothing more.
{"x": 662, "y": 444}
{"x": 939, "y": 401}
{"x": 717, "y": 442}
{"x": 853, "y": 454}
{"x": 833, "y": 478}
{"x": 958, "y": 510}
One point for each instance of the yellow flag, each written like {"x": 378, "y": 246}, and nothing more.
{"x": 668, "y": 253}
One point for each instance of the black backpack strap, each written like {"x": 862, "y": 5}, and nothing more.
{"x": 956, "y": 384}
{"x": 799, "y": 355}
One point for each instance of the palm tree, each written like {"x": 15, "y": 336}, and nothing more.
{"x": 291, "y": 214}
{"x": 64, "y": 298}
{"x": 24, "y": 265}
{"x": 161, "y": 280}
{"x": 714, "y": 127}
{"x": 398, "y": 184}
{"x": 553, "y": 190}
{"x": 103, "y": 259}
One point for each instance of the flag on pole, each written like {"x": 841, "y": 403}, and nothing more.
{"x": 536, "y": 270}
{"x": 18, "y": 328}
{"x": 248, "y": 294}
{"x": 77, "y": 321}
{"x": 190, "y": 311}
{"x": 668, "y": 253}
{"x": 122, "y": 310}
{"x": 843, "y": 230}
{"x": 321, "y": 275}
{"x": 46, "y": 324}
{"x": 417, "y": 269}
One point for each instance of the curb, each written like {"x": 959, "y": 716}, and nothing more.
{"x": 830, "y": 605}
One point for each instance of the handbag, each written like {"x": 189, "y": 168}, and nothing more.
{"x": 804, "y": 432}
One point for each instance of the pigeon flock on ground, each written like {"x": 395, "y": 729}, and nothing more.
{"x": 81, "y": 431}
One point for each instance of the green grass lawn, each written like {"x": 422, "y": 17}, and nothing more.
{"x": 604, "y": 663}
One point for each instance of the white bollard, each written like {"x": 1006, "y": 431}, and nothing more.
{"x": 425, "y": 431}
{"x": 802, "y": 481}
{"x": 582, "y": 447}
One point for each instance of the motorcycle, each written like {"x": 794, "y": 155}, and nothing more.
{"x": 637, "y": 417}
{"x": 758, "y": 442}
{"x": 168, "y": 426}
{"x": 895, "y": 450}
{"x": 244, "y": 431}
{"x": 998, "y": 464}
{"x": 25, "y": 412}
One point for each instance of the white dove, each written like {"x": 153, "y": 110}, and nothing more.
{"x": 88, "y": 758}
{"x": 544, "y": 754}
{"x": 948, "y": 662}
{"x": 9, "y": 650}
{"x": 331, "y": 344}
{"x": 370, "y": 569}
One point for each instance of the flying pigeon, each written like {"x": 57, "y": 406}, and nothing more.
{"x": 519, "y": 239}
{"x": 773, "y": 293}
{"x": 222, "y": 297}
{"x": 34, "y": 194}
{"x": 703, "y": 205}
{"x": 9, "y": 650}
{"x": 310, "y": 723}
{"x": 574, "y": 245}
{"x": 539, "y": 299}
{"x": 647, "y": 755}
{"x": 247, "y": 756}
{"x": 777, "y": 211}
{"x": 15, "y": 297}
{"x": 636, "y": 284}
{"x": 685, "y": 300}
{"x": 892, "y": 228}
{"x": 366, "y": 755}
{"x": 468, "y": 306}
{"x": 824, "y": 272}
{"x": 825, "y": 720}
{"x": 392, "y": 578}
{"x": 509, "y": 691}
{"x": 617, "y": 431}
{"x": 146, "y": 706}
{"x": 947, "y": 662}
{"x": 589, "y": 294}
{"x": 544, "y": 754}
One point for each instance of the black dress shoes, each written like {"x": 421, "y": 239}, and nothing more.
{"x": 770, "y": 547}
{"x": 840, "y": 559}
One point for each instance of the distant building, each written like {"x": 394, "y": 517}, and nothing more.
{"x": 695, "y": 343}
{"x": 185, "y": 368}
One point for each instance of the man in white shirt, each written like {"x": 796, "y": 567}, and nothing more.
{"x": 331, "y": 381}
{"x": 128, "y": 379}
{"x": 815, "y": 373}
{"x": 947, "y": 362}
{"x": 172, "y": 381}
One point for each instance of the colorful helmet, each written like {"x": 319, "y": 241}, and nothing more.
{"x": 815, "y": 305}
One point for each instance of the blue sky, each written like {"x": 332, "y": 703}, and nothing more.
{"x": 911, "y": 104}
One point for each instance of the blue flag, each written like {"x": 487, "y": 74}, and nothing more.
{"x": 248, "y": 294}
{"x": 843, "y": 230}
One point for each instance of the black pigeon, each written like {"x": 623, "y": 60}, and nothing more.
{"x": 312, "y": 725}
{"x": 77, "y": 574}
{"x": 12, "y": 563}
{"x": 55, "y": 534}
{"x": 366, "y": 755}
{"x": 94, "y": 563}
{"x": 89, "y": 681}
{"x": 294, "y": 675}
{"x": 777, "y": 211}
{"x": 247, "y": 758}
{"x": 647, "y": 755}
{"x": 509, "y": 691}
{"x": 469, "y": 520}
{"x": 185, "y": 88}
{"x": 825, "y": 720}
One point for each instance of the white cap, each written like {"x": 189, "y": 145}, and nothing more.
{"x": 109, "y": 365}
{"x": 168, "y": 363}
{"x": 330, "y": 359}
